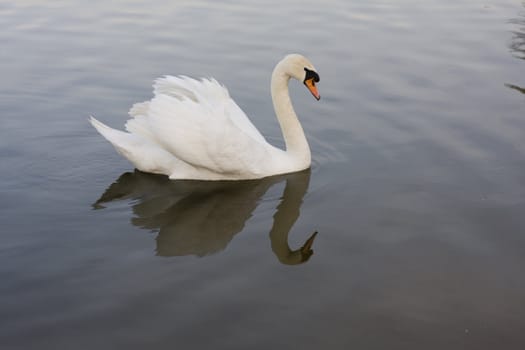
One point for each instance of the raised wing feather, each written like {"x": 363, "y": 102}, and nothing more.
{"x": 211, "y": 95}
{"x": 200, "y": 124}
{"x": 201, "y": 137}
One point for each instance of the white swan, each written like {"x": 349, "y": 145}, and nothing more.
{"x": 192, "y": 129}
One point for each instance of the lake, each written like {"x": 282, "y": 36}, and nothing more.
{"x": 416, "y": 190}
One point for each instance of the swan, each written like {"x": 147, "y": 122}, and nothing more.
{"x": 193, "y": 130}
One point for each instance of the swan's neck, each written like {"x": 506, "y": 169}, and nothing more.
{"x": 296, "y": 144}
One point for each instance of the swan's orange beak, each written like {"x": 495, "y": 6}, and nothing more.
{"x": 310, "y": 84}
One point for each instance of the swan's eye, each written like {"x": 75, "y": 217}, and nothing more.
{"x": 310, "y": 74}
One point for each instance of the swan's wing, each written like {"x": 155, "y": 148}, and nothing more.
{"x": 203, "y": 138}
{"x": 208, "y": 93}
{"x": 199, "y": 123}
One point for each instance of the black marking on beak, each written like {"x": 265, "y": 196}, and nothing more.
{"x": 310, "y": 74}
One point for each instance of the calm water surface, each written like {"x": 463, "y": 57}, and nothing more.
{"x": 417, "y": 187}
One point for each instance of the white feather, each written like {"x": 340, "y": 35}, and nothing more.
{"x": 192, "y": 129}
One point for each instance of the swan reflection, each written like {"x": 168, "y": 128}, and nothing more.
{"x": 202, "y": 217}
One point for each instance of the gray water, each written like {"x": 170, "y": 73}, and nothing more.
{"x": 417, "y": 188}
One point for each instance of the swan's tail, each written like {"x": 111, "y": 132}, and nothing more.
{"x": 144, "y": 154}
{"x": 123, "y": 142}
{"x": 109, "y": 134}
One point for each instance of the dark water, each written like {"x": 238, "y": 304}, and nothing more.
{"x": 417, "y": 188}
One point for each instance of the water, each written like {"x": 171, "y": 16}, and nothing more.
{"x": 417, "y": 187}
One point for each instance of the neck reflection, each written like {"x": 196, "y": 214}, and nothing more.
{"x": 202, "y": 217}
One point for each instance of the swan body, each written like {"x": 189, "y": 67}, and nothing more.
{"x": 192, "y": 129}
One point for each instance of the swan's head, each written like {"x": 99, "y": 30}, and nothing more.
{"x": 300, "y": 68}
